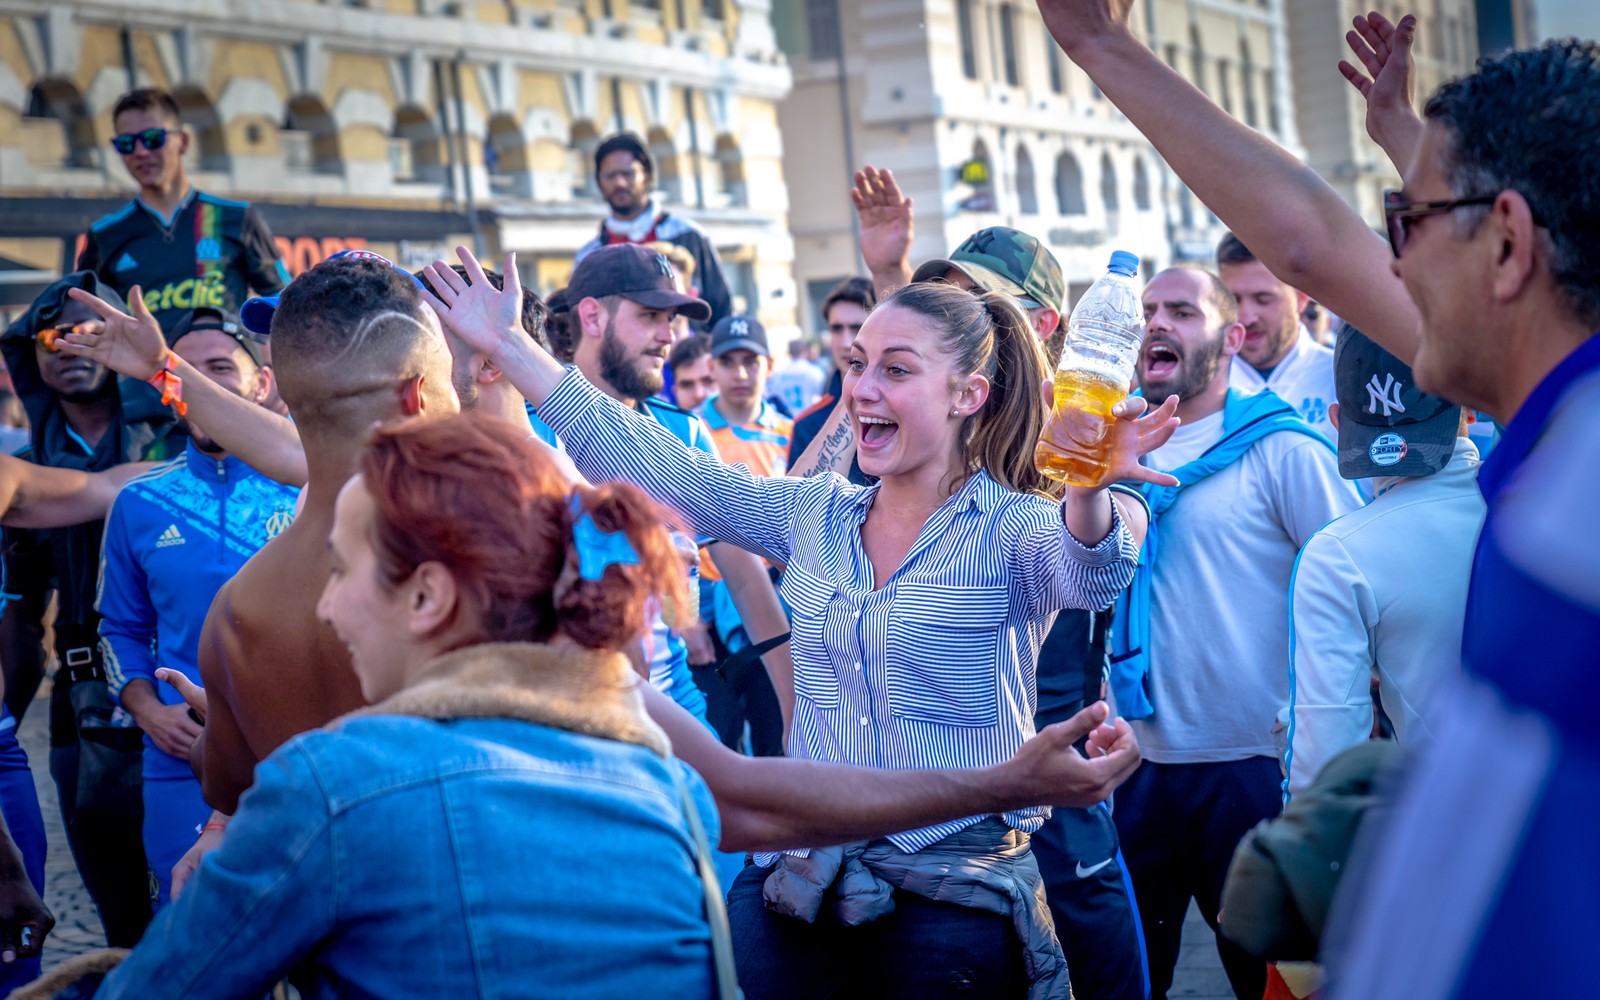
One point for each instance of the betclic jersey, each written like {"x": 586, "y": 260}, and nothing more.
{"x": 211, "y": 254}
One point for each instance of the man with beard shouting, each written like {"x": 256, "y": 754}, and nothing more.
{"x": 1200, "y": 645}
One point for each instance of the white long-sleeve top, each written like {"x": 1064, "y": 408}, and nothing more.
{"x": 1381, "y": 592}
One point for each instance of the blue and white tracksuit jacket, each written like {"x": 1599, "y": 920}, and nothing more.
{"x": 173, "y": 537}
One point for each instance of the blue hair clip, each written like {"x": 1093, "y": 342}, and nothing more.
{"x": 598, "y": 549}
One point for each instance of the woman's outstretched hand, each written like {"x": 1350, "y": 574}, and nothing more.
{"x": 1135, "y": 431}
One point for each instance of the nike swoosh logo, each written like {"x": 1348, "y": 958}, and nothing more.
{"x": 1086, "y": 872}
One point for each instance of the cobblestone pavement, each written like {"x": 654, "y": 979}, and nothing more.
{"x": 1199, "y": 975}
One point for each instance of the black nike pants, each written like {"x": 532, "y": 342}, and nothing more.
{"x": 1091, "y": 899}
{"x": 1180, "y": 824}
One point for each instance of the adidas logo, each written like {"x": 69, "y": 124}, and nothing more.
{"x": 126, "y": 262}
{"x": 170, "y": 537}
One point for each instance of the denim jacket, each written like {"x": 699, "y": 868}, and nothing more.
{"x": 508, "y": 825}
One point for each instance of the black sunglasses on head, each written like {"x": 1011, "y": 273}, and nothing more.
{"x": 152, "y": 138}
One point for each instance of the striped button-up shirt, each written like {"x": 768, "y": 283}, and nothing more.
{"x": 935, "y": 668}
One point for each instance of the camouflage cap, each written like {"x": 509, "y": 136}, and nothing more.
{"x": 1001, "y": 259}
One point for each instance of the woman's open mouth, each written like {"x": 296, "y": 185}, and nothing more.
{"x": 876, "y": 432}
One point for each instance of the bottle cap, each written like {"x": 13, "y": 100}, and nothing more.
{"x": 1123, "y": 263}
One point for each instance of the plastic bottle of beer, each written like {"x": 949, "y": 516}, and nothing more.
{"x": 1097, "y": 362}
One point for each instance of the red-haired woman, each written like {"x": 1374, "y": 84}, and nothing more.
{"x": 505, "y": 819}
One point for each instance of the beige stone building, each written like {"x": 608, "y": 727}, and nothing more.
{"x": 1237, "y": 51}
{"x": 406, "y": 125}
{"x": 1332, "y": 115}
{"x": 981, "y": 118}
{"x": 985, "y": 122}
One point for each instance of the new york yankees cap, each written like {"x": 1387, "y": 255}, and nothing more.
{"x": 634, "y": 272}
{"x": 739, "y": 333}
{"x": 1387, "y": 427}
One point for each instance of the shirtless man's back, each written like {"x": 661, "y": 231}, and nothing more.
{"x": 271, "y": 669}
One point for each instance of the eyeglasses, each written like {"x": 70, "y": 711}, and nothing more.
{"x": 152, "y": 138}
{"x": 1400, "y": 214}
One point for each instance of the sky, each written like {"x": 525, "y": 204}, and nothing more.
{"x": 1560, "y": 18}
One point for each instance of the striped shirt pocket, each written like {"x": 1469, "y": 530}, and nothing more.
{"x": 943, "y": 653}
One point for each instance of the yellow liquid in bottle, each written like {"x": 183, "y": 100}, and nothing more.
{"x": 1074, "y": 447}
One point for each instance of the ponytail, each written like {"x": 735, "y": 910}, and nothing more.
{"x": 609, "y": 612}
{"x": 471, "y": 493}
{"x": 1000, "y": 437}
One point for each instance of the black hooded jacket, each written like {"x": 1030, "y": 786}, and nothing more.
{"x": 142, "y": 430}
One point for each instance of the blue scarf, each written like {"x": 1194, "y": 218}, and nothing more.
{"x": 1245, "y": 420}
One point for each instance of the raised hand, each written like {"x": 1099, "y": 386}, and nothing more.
{"x": 1389, "y": 82}
{"x": 129, "y": 344}
{"x": 483, "y": 316}
{"x": 885, "y": 218}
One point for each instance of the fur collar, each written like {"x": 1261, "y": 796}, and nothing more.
{"x": 570, "y": 688}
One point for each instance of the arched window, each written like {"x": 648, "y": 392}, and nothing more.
{"x": 1069, "y": 186}
{"x": 310, "y": 138}
{"x": 416, "y": 149}
{"x": 1027, "y": 195}
{"x": 1141, "y": 186}
{"x": 58, "y": 126}
{"x": 1108, "y": 184}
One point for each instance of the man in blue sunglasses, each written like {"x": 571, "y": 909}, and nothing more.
{"x": 183, "y": 248}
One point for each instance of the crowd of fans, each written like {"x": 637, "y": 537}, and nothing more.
{"x": 415, "y": 635}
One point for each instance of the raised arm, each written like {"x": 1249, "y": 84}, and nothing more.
{"x": 37, "y": 496}
{"x": 133, "y": 345}
{"x": 607, "y": 440}
{"x": 774, "y": 803}
{"x": 1288, "y": 216}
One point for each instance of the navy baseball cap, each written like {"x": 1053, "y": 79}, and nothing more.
{"x": 256, "y": 314}
{"x": 1387, "y": 427}
{"x": 635, "y": 272}
{"x": 739, "y": 333}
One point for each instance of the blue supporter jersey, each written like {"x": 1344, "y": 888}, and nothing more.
{"x": 173, "y": 537}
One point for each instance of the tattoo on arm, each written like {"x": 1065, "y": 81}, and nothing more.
{"x": 832, "y": 454}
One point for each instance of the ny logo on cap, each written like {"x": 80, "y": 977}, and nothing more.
{"x": 663, "y": 265}
{"x": 1386, "y": 395}
{"x": 739, "y": 328}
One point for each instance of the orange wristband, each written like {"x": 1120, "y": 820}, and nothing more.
{"x": 213, "y": 825}
{"x": 171, "y": 385}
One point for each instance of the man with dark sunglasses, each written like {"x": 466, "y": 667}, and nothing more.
{"x": 1484, "y": 882}
{"x": 184, "y": 248}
